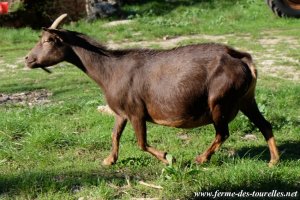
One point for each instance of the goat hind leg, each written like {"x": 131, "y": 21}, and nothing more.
{"x": 251, "y": 110}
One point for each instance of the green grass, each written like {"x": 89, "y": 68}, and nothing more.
{"x": 155, "y": 19}
{"x": 55, "y": 150}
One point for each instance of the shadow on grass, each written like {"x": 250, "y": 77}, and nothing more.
{"x": 70, "y": 181}
{"x": 288, "y": 151}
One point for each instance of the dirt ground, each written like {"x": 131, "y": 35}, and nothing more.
{"x": 26, "y": 98}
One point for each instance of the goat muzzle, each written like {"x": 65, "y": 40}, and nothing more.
{"x": 31, "y": 63}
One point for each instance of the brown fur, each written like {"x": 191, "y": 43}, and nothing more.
{"x": 184, "y": 87}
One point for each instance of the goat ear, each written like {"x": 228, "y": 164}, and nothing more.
{"x": 59, "y": 34}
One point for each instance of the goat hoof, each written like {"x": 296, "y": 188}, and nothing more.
{"x": 164, "y": 161}
{"x": 274, "y": 162}
{"x": 108, "y": 161}
{"x": 201, "y": 159}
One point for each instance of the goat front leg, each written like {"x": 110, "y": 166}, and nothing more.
{"x": 139, "y": 126}
{"x": 120, "y": 124}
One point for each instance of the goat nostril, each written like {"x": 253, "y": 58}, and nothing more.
{"x": 26, "y": 58}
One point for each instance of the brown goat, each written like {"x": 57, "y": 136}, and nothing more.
{"x": 185, "y": 87}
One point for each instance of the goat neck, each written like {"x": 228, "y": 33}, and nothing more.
{"x": 92, "y": 58}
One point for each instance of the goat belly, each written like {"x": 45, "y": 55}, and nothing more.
{"x": 184, "y": 122}
{"x": 176, "y": 107}
{"x": 178, "y": 118}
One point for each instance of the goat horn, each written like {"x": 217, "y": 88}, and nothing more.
{"x": 58, "y": 21}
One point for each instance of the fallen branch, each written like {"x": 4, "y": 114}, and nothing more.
{"x": 150, "y": 185}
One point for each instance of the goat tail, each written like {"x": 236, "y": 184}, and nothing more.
{"x": 247, "y": 59}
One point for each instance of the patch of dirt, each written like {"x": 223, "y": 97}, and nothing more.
{"x": 249, "y": 137}
{"x": 287, "y": 41}
{"x": 31, "y": 98}
{"x": 267, "y": 42}
{"x": 4, "y": 66}
{"x": 169, "y": 42}
{"x": 270, "y": 68}
{"x": 273, "y": 55}
{"x": 11, "y": 66}
{"x": 1, "y": 69}
{"x": 118, "y": 22}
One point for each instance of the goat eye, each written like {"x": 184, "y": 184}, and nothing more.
{"x": 50, "y": 40}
